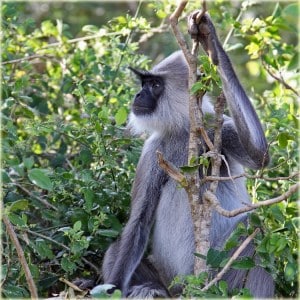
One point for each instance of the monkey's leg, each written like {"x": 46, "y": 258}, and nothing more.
{"x": 146, "y": 283}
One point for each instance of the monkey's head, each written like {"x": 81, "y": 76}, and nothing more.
{"x": 162, "y": 103}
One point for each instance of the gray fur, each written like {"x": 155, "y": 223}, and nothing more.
{"x": 158, "y": 203}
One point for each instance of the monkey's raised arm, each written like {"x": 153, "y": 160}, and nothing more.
{"x": 127, "y": 252}
{"x": 250, "y": 146}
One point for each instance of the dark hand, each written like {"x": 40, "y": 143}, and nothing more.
{"x": 205, "y": 33}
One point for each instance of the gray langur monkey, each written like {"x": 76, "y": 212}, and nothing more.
{"x": 158, "y": 206}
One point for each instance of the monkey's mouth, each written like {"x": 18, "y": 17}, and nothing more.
{"x": 141, "y": 110}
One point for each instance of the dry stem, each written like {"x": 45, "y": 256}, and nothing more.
{"x": 212, "y": 178}
{"x": 216, "y": 205}
{"x": 94, "y": 267}
{"x": 235, "y": 255}
{"x": 21, "y": 256}
{"x": 43, "y": 201}
{"x": 201, "y": 214}
{"x": 171, "y": 170}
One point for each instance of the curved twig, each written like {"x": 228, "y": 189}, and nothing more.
{"x": 214, "y": 201}
{"x": 235, "y": 255}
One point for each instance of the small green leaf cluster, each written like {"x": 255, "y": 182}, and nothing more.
{"x": 192, "y": 286}
{"x": 209, "y": 78}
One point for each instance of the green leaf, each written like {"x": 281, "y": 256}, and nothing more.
{"x": 283, "y": 139}
{"x": 28, "y": 162}
{"x": 223, "y": 286}
{"x": 234, "y": 238}
{"x": 277, "y": 11}
{"x": 244, "y": 263}
{"x": 200, "y": 255}
{"x": 198, "y": 87}
{"x": 13, "y": 291}
{"x": 49, "y": 280}
{"x": 121, "y": 116}
{"x": 290, "y": 271}
{"x": 78, "y": 246}
{"x": 161, "y": 14}
{"x": 108, "y": 232}
{"x": 89, "y": 199}
{"x": 80, "y": 89}
{"x": 4, "y": 176}
{"x": 294, "y": 62}
{"x": 17, "y": 220}
{"x": 77, "y": 225}
{"x": 40, "y": 178}
{"x": 48, "y": 28}
{"x": 215, "y": 257}
{"x": 59, "y": 26}
{"x": 189, "y": 169}
{"x": 19, "y": 205}
{"x": 43, "y": 249}
{"x": 86, "y": 156}
{"x": 26, "y": 98}
{"x": 281, "y": 244}
{"x": 90, "y": 28}
{"x": 67, "y": 265}
{"x": 291, "y": 13}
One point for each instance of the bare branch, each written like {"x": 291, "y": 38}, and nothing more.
{"x": 206, "y": 138}
{"x": 200, "y": 213}
{"x": 162, "y": 28}
{"x": 179, "y": 36}
{"x": 265, "y": 178}
{"x": 94, "y": 267}
{"x": 70, "y": 284}
{"x": 214, "y": 201}
{"x": 21, "y": 256}
{"x": 217, "y": 160}
{"x": 232, "y": 28}
{"x": 202, "y": 12}
{"x": 43, "y": 201}
{"x": 30, "y": 57}
{"x": 279, "y": 79}
{"x": 171, "y": 170}
{"x": 235, "y": 255}
{"x": 178, "y": 11}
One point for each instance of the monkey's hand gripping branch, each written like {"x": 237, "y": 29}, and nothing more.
{"x": 202, "y": 30}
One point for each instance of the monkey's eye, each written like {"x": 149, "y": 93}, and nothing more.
{"x": 156, "y": 84}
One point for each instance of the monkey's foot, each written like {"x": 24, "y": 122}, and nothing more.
{"x": 147, "y": 291}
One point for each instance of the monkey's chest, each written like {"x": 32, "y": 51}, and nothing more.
{"x": 173, "y": 239}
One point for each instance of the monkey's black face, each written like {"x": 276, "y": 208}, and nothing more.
{"x": 146, "y": 101}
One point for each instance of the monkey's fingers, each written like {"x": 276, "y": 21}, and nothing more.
{"x": 205, "y": 33}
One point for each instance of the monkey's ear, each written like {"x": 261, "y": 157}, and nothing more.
{"x": 140, "y": 73}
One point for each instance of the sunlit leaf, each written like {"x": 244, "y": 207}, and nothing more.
{"x": 40, "y": 178}
{"x": 121, "y": 116}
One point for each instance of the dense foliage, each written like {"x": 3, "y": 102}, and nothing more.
{"x": 68, "y": 161}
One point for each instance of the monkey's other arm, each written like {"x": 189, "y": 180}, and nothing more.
{"x": 129, "y": 249}
{"x": 243, "y": 138}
